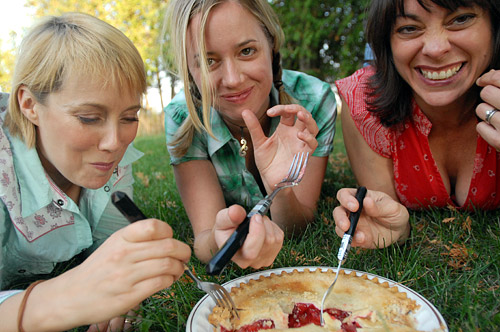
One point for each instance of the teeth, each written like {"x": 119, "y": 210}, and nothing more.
{"x": 434, "y": 75}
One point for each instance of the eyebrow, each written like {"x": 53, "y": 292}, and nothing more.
{"x": 243, "y": 43}
{"x": 103, "y": 107}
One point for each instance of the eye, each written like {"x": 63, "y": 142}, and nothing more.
{"x": 210, "y": 62}
{"x": 407, "y": 30}
{"x": 87, "y": 120}
{"x": 247, "y": 51}
{"x": 463, "y": 19}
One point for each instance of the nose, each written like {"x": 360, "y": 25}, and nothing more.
{"x": 231, "y": 74}
{"x": 111, "y": 139}
{"x": 436, "y": 43}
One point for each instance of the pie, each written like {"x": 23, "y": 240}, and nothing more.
{"x": 291, "y": 302}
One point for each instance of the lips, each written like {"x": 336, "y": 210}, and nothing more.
{"x": 103, "y": 166}
{"x": 238, "y": 97}
{"x": 438, "y": 75}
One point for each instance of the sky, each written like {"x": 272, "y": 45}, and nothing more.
{"x": 13, "y": 17}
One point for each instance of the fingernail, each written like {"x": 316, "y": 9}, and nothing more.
{"x": 351, "y": 206}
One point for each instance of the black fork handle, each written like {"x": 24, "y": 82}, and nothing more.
{"x": 127, "y": 207}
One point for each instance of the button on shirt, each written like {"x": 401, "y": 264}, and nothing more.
{"x": 237, "y": 183}
{"x": 39, "y": 225}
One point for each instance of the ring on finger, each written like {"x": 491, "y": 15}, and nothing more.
{"x": 489, "y": 115}
{"x": 128, "y": 321}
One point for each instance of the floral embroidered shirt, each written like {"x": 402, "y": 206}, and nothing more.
{"x": 417, "y": 178}
{"x": 238, "y": 184}
{"x": 39, "y": 225}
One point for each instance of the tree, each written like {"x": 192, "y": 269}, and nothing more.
{"x": 322, "y": 37}
{"x": 140, "y": 20}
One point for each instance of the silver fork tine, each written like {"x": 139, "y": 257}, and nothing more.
{"x": 217, "y": 293}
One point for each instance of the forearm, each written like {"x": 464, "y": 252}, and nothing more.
{"x": 47, "y": 309}
{"x": 205, "y": 246}
{"x": 289, "y": 212}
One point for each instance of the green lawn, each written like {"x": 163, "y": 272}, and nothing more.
{"x": 452, "y": 258}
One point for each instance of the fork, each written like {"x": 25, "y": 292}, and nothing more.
{"x": 235, "y": 241}
{"x": 218, "y": 293}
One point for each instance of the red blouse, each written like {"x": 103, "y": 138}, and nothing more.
{"x": 418, "y": 181}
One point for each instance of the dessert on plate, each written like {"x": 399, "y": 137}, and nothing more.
{"x": 292, "y": 302}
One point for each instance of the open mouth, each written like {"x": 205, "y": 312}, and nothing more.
{"x": 442, "y": 74}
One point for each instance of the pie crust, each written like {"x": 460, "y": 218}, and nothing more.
{"x": 358, "y": 304}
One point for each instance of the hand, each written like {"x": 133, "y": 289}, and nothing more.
{"x": 263, "y": 242}
{"x": 120, "y": 323}
{"x": 296, "y": 132}
{"x": 491, "y": 100}
{"x": 132, "y": 264}
{"x": 382, "y": 222}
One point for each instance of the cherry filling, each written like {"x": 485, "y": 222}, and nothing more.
{"x": 302, "y": 314}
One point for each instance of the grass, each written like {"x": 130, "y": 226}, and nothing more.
{"x": 452, "y": 257}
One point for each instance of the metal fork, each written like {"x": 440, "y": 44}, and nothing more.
{"x": 218, "y": 293}
{"x": 235, "y": 241}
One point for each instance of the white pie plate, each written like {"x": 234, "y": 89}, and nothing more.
{"x": 428, "y": 317}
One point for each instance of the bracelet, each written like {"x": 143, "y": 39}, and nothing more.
{"x": 23, "y": 305}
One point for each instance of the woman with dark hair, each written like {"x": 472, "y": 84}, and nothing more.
{"x": 420, "y": 124}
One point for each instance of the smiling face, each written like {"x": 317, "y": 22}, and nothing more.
{"x": 239, "y": 60}
{"x": 83, "y": 131}
{"x": 439, "y": 53}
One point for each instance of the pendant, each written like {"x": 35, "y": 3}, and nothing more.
{"x": 244, "y": 147}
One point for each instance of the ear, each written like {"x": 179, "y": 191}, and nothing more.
{"x": 28, "y": 104}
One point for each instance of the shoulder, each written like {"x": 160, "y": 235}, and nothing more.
{"x": 357, "y": 83}
{"x": 176, "y": 111}
{"x": 301, "y": 85}
{"x": 4, "y": 102}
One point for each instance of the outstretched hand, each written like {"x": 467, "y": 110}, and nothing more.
{"x": 490, "y": 94}
{"x": 262, "y": 244}
{"x": 383, "y": 221}
{"x": 296, "y": 132}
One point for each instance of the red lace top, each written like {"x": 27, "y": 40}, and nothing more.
{"x": 417, "y": 178}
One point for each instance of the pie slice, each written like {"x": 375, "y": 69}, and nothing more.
{"x": 292, "y": 302}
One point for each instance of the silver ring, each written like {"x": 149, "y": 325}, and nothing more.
{"x": 128, "y": 321}
{"x": 489, "y": 115}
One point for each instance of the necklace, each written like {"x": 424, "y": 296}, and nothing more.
{"x": 243, "y": 143}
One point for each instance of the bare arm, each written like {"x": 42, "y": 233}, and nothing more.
{"x": 213, "y": 222}
{"x": 384, "y": 220}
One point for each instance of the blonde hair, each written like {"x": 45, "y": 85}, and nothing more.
{"x": 71, "y": 44}
{"x": 180, "y": 13}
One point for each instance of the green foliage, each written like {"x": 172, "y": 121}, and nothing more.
{"x": 323, "y": 37}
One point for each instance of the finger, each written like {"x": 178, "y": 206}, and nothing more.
{"x": 490, "y": 134}
{"x": 482, "y": 112}
{"x": 273, "y": 243}
{"x": 154, "y": 268}
{"x": 116, "y": 324}
{"x": 491, "y": 77}
{"x": 254, "y": 242}
{"x": 288, "y": 113}
{"x": 308, "y": 139}
{"x": 160, "y": 249}
{"x": 490, "y": 94}
{"x": 230, "y": 217}
{"x": 254, "y": 128}
{"x": 99, "y": 327}
{"x": 341, "y": 220}
{"x": 347, "y": 198}
{"x": 311, "y": 125}
{"x": 147, "y": 230}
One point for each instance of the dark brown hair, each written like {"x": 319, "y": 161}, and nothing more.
{"x": 391, "y": 99}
